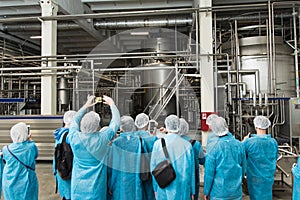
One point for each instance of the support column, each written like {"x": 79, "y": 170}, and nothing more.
{"x": 206, "y": 62}
{"x": 49, "y": 48}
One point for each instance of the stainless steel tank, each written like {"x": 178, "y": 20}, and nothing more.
{"x": 156, "y": 83}
{"x": 254, "y": 55}
{"x": 63, "y": 95}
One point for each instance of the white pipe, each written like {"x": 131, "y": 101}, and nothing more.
{"x": 34, "y": 74}
{"x": 296, "y": 51}
{"x": 39, "y": 68}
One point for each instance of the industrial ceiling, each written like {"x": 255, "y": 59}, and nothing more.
{"x": 80, "y": 36}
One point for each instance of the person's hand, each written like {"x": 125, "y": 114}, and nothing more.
{"x": 206, "y": 197}
{"x": 192, "y": 197}
{"x": 107, "y": 100}
{"x": 163, "y": 130}
{"x": 90, "y": 101}
{"x": 246, "y": 137}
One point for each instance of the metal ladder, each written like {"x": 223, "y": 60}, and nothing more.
{"x": 157, "y": 109}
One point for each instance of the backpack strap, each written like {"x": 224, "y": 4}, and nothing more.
{"x": 192, "y": 142}
{"x": 142, "y": 149}
{"x": 65, "y": 136}
{"x": 26, "y": 166}
{"x": 163, "y": 143}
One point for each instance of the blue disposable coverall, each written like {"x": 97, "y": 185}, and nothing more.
{"x": 212, "y": 138}
{"x": 89, "y": 173}
{"x": 1, "y": 173}
{"x": 125, "y": 180}
{"x": 225, "y": 165}
{"x": 148, "y": 192}
{"x": 182, "y": 159}
{"x": 18, "y": 182}
{"x": 199, "y": 159}
{"x": 261, "y": 153}
{"x": 63, "y": 186}
{"x": 296, "y": 188}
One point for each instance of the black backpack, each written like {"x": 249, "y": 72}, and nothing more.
{"x": 63, "y": 156}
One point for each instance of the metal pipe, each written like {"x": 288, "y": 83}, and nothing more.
{"x": 137, "y": 23}
{"x": 33, "y": 74}
{"x": 141, "y": 68}
{"x": 253, "y": 17}
{"x": 270, "y": 88}
{"x": 177, "y": 89}
{"x": 39, "y": 68}
{"x": 296, "y": 51}
{"x": 273, "y": 66}
{"x": 37, "y": 27}
{"x": 197, "y": 42}
{"x": 133, "y": 13}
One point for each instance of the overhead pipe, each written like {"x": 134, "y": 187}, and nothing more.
{"x": 254, "y": 17}
{"x": 34, "y": 74}
{"x": 39, "y": 68}
{"x": 158, "y": 12}
{"x": 138, "y": 23}
{"x": 37, "y": 27}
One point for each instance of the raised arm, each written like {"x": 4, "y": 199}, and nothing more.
{"x": 116, "y": 118}
{"x": 74, "y": 125}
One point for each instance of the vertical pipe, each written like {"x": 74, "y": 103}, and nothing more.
{"x": 270, "y": 88}
{"x": 273, "y": 66}
{"x": 93, "y": 79}
{"x": 197, "y": 42}
{"x": 177, "y": 90}
{"x": 215, "y": 62}
{"x": 296, "y": 51}
{"x": 238, "y": 62}
{"x": 2, "y": 65}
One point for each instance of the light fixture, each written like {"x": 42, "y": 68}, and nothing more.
{"x": 139, "y": 33}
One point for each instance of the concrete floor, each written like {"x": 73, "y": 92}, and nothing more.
{"x": 47, "y": 185}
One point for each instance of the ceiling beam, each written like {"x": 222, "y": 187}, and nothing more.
{"x": 76, "y": 7}
{"x": 112, "y": 6}
{"x": 10, "y": 11}
{"x": 70, "y": 7}
{"x": 13, "y": 3}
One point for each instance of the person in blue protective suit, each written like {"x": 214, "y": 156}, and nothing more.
{"x": 225, "y": 165}
{"x": 296, "y": 173}
{"x": 182, "y": 159}
{"x": 261, "y": 151}
{"x": 90, "y": 148}
{"x": 125, "y": 181}
{"x": 1, "y": 171}
{"x": 198, "y": 152}
{"x": 141, "y": 123}
{"x": 19, "y": 179}
{"x": 63, "y": 186}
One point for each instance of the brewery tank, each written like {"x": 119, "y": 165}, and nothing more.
{"x": 157, "y": 81}
{"x": 254, "y": 56}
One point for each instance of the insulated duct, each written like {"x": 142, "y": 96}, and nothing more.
{"x": 37, "y": 27}
{"x": 138, "y": 23}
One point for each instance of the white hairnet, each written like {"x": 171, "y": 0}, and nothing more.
{"x": 141, "y": 120}
{"x": 19, "y": 132}
{"x": 68, "y": 116}
{"x": 172, "y": 123}
{"x": 183, "y": 127}
{"x": 261, "y": 122}
{"x": 219, "y": 126}
{"x": 127, "y": 124}
{"x": 90, "y": 122}
{"x": 210, "y": 119}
